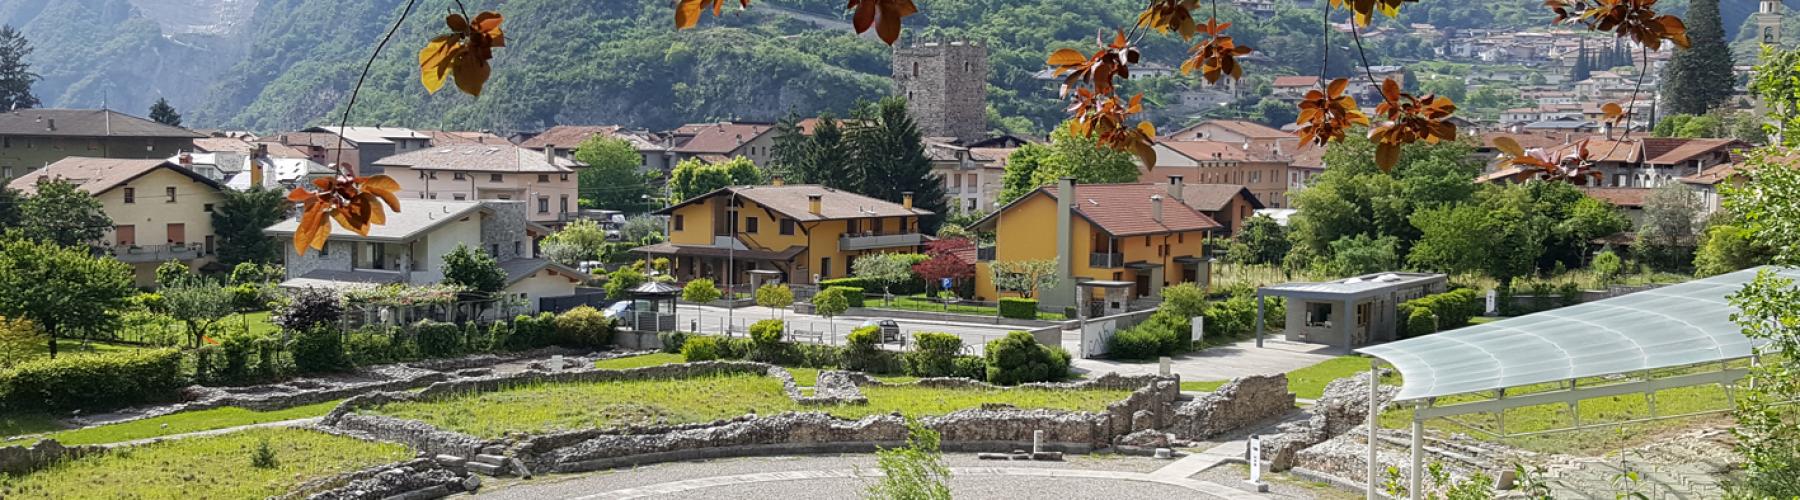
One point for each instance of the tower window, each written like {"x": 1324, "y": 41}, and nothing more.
{"x": 966, "y": 67}
{"x": 915, "y": 69}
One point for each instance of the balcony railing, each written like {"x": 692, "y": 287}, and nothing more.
{"x": 848, "y": 242}
{"x": 157, "y": 253}
{"x": 1106, "y": 260}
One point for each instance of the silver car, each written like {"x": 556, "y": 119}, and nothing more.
{"x": 890, "y": 330}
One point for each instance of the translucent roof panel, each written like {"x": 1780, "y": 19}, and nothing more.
{"x": 1671, "y": 326}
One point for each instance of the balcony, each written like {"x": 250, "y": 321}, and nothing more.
{"x": 1106, "y": 260}
{"x": 137, "y": 254}
{"x": 880, "y": 241}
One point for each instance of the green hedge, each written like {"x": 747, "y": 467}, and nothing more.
{"x": 933, "y": 355}
{"x": 438, "y": 339}
{"x": 1019, "y": 358}
{"x": 584, "y": 326}
{"x": 852, "y": 295}
{"x": 108, "y": 380}
{"x": 1018, "y": 308}
{"x": 1135, "y": 343}
{"x": 702, "y": 348}
{"x": 1453, "y": 310}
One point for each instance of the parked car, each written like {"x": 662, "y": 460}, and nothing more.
{"x": 890, "y": 330}
{"x": 621, "y": 310}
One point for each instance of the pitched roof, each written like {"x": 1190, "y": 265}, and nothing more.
{"x": 1621, "y": 196}
{"x": 1712, "y": 175}
{"x": 279, "y": 150}
{"x": 443, "y": 137}
{"x": 223, "y": 144}
{"x": 1295, "y": 81}
{"x": 1122, "y": 209}
{"x": 97, "y": 175}
{"x": 519, "y": 269}
{"x": 1252, "y": 130}
{"x": 791, "y": 200}
{"x": 85, "y": 123}
{"x": 722, "y": 137}
{"x": 1214, "y": 197}
{"x": 373, "y": 135}
{"x": 415, "y": 218}
{"x": 567, "y": 136}
{"x": 472, "y": 157}
{"x": 1207, "y": 150}
{"x": 320, "y": 139}
{"x": 1525, "y": 139}
{"x": 1669, "y": 151}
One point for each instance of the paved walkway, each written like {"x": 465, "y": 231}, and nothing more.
{"x": 214, "y": 432}
{"x": 1203, "y": 489}
{"x": 1219, "y": 363}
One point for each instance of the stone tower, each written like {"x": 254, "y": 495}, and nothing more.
{"x": 1768, "y": 22}
{"x": 945, "y": 86}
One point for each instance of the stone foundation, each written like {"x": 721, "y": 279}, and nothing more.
{"x": 1240, "y": 403}
{"x": 18, "y": 460}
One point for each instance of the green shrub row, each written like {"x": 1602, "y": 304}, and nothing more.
{"x": 1438, "y": 312}
{"x": 1018, "y": 308}
{"x": 852, "y": 294}
{"x": 107, "y": 380}
{"x": 1169, "y": 330}
{"x": 1017, "y": 358}
{"x": 1544, "y": 296}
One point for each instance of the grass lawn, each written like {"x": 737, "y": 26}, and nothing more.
{"x": 550, "y": 407}
{"x": 1309, "y": 382}
{"x": 925, "y": 304}
{"x": 208, "y": 467}
{"x": 1476, "y": 320}
{"x": 13, "y": 424}
{"x": 803, "y": 376}
{"x": 1202, "y": 386}
{"x": 75, "y": 347}
{"x": 181, "y": 423}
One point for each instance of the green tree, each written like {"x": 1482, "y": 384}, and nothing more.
{"x": 1695, "y": 79}
{"x": 1020, "y": 176}
{"x": 174, "y": 272}
{"x": 579, "y": 240}
{"x": 884, "y": 269}
{"x": 830, "y": 303}
{"x": 10, "y": 201}
{"x": 62, "y": 289}
{"x": 1500, "y": 235}
{"x": 163, "y": 112}
{"x": 1454, "y": 88}
{"x": 1264, "y": 239}
{"x": 15, "y": 73}
{"x": 1607, "y": 265}
{"x": 821, "y": 158}
{"x": 1667, "y": 235}
{"x": 1768, "y": 311}
{"x": 1354, "y": 197}
{"x": 915, "y": 471}
{"x": 1067, "y": 155}
{"x": 198, "y": 304}
{"x": 238, "y": 221}
{"x": 1025, "y": 277}
{"x": 1583, "y": 68}
{"x": 775, "y": 296}
{"x": 63, "y": 214}
{"x": 700, "y": 291}
{"x": 890, "y": 153}
{"x": 474, "y": 269}
{"x": 1275, "y": 112}
{"x": 1775, "y": 81}
{"x": 1361, "y": 254}
{"x": 694, "y": 177}
{"x": 613, "y": 178}
{"x": 621, "y": 281}
{"x": 1729, "y": 247}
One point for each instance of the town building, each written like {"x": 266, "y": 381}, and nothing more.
{"x": 1350, "y": 312}
{"x": 1227, "y": 204}
{"x": 1133, "y": 236}
{"x": 33, "y": 138}
{"x": 945, "y": 86}
{"x": 1239, "y": 131}
{"x": 971, "y": 175}
{"x": 803, "y": 232}
{"x": 160, "y": 210}
{"x": 565, "y": 138}
{"x": 1292, "y": 88}
{"x": 360, "y": 147}
{"x": 1267, "y": 171}
{"x": 410, "y": 247}
{"x": 547, "y": 183}
{"x": 722, "y": 141}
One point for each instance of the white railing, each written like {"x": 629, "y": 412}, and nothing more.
{"x": 879, "y": 241}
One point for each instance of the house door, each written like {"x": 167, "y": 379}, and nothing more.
{"x": 127, "y": 235}
{"x": 177, "y": 234}
{"x": 1143, "y": 284}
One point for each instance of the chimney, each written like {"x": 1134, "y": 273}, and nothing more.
{"x": 51, "y": 125}
{"x": 186, "y": 160}
{"x": 1606, "y": 127}
{"x": 1065, "y": 245}
{"x": 256, "y": 168}
{"x": 1175, "y": 187}
{"x": 814, "y": 203}
{"x": 1156, "y": 208}
{"x": 906, "y": 200}
{"x": 776, "y": 180}
{"x": 550, "y": 154}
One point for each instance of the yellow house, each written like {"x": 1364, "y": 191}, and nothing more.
{"x": 803, "y": 233}
{"x": 160, "y": 210}
{"x": 1131, "y": 239}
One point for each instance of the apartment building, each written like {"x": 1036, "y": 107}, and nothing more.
{"x": 471, "y": 171}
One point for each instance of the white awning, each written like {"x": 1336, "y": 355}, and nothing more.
{"x": 1677, "y": 325}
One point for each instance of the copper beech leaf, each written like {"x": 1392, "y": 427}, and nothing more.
{"x": 463, "y": 54}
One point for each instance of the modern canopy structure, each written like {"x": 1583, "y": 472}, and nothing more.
{"x": 1686, "y": 326}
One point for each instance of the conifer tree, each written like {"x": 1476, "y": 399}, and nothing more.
{"x": 890, "y": 153}
{"x": 164, "y": 113}
{"x": 1699, "y": 78}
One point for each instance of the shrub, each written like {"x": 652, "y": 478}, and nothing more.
{"x": 702, "y": 348}
{"x": 1453, "y": 310}
{"x": 438, "y": 339}
{"x": 766, "y": 332}
{"x": 109, "y": 380}
{"x": 1569, "y": 294}
{"x": 970, "y": 367}
{"x": 499, "y": 335}
{"x": 1134, "y": 343}
{"x": 853, "y": 295}
{"x": 319, "y": 349}
{"x": 867, "y": 336}
{"x": 18, "y": 341}
{"x": 1420, "y": 322}
{"x": 247, "y": 297}
{"x": 1607, "y": 266}
{"x": 307, "y": 308}
{"x": 1018, "y": 308}
{"x": 264, "y": 456}
{"x": 1230, "y": 318}
{"x": 858, "y": 283}
{"x": 933, "y": 355}
{"x": 864, "y": 353}
{"x": 672, "y": 341}
{"x": 370, "y": 345}
{"x": 1019, "y": 358}
{"x": 530, "y": 332}
{"x": 583, "y": 326}
{"x": 816, "y": 356}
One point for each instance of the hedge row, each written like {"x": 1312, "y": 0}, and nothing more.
{"x": 852, "y": 295}
{"x": 1018, "y": 308}
{"x": 1451, "y": 309}
{"x": 1017, "y": 358}
{"x": 94, "y": 381}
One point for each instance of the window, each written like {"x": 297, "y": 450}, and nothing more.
{"x": 517, "y": 246}
{"x": 459, "y": 197}
{"x": 493, "y": 249}
{"x": 421, "y": 174}
{"x": 494, "y": 178}
{"x": 787, "y": 227}
{"x": 543, "y": 204}
{"x": 127, "y": 235}
{"x": 431, "y": 196}
{"x": 564, "y": 208}
{"x": 825, "y": 267}
{"x": 876, "y": 226}
{"x": 457, "y": 176}
{"x": 130, "y": 195}
{"x": 171, "y": 192}
{"x": 915, "y": 69}
{"x": 6, "y": 172}
{"x": 1146, "y": 240}
{"x": 1318, "y": 314}
{"x": 565, "y": 178}
{"x": 678, "y": 222}
{"x": 325, "y": 251}
{"x": 543, "y": 177}
{"x": 750, "y": 225}
{"x": 6, "y": 142}
{"x": 208, "y": 208}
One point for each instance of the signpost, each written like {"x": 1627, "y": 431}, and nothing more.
{"x": 1493, "y": 303}
{"x": 1255, "y": 460}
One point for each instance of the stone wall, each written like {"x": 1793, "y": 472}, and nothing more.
{"x": 945, "y": 88}
{"x": 504, "y": 228}
{"x": 1240, "y": 403}
{"x": 412, "y": 479}
{"x": 1343, "y": 407}
{"x": 17, "y": 460}
{"x": 418, "y": 435}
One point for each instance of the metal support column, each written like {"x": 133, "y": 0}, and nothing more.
{"x": 1374, "y": 379}
{"x": 1414, "y": 479}
{"x": 1259, "y": 318}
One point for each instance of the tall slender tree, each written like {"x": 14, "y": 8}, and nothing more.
{"x": 15, "y": 74}
{"x": 1698, "y": 79}
{"x": 239, "y": 222}
{"x": 163, "y": 112}
{"x": 891, "y": 155}
{"x": 1583, "y": 68}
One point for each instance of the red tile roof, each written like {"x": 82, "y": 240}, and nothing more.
{"x": 1295, "y": 81}
{"x": 722, "y": 137}
{"x": 1669, "y": 151}
{"x": 1207, "y": 150}
{"x": 1252, "y": 130}
{"x": 567, "y": 136}
{"x": 1124, "y": 209}
{"x": 1214, "y": 197}
{"x": 792, "y": 200}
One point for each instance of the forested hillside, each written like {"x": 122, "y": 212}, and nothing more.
{"x": 291, "y": 63}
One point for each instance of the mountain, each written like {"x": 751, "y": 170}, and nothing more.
{"x": 91, "y": 52}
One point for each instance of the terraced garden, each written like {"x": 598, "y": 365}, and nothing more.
{"x": 205, "y": 467}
